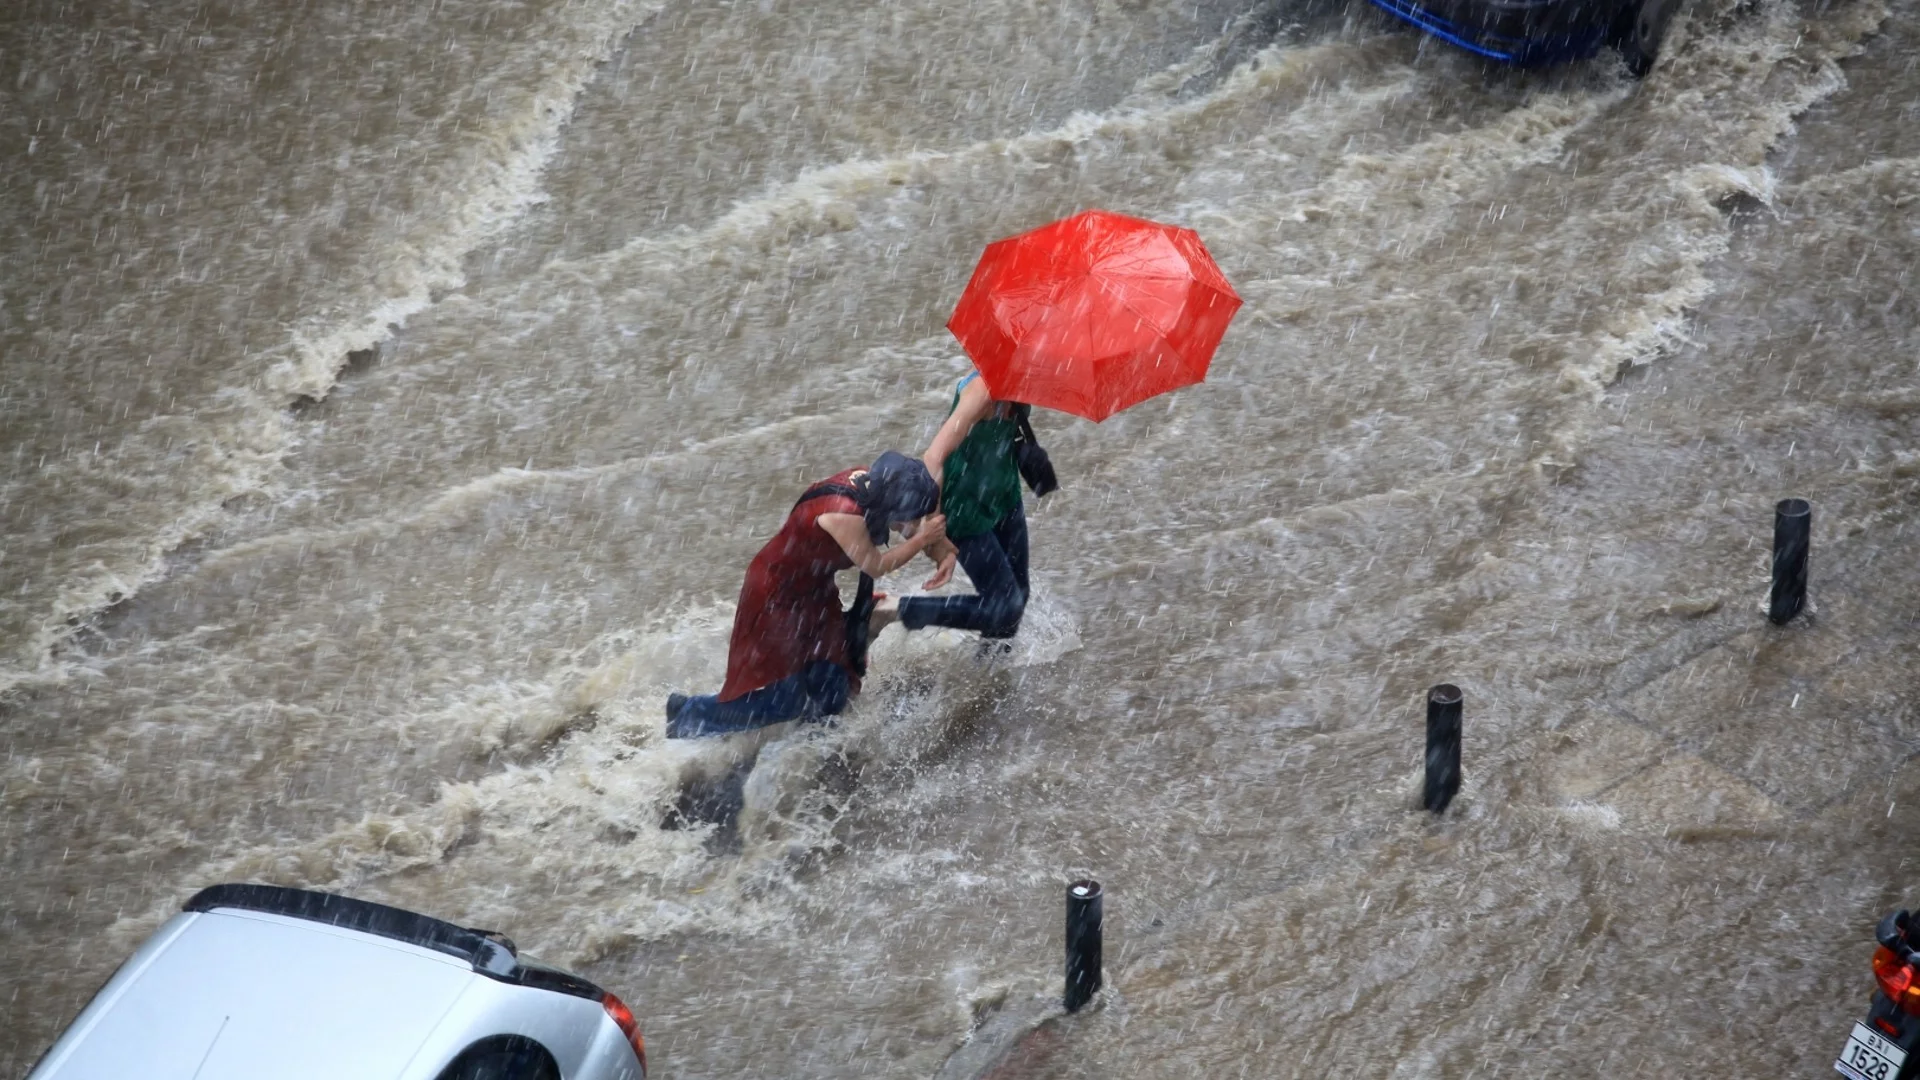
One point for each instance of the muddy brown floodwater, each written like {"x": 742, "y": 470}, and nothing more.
{"x": 392, "y": 395}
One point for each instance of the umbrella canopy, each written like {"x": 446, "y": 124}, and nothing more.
{"x": 1093, "y": 313}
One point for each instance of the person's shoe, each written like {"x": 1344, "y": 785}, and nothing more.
{"x": 676, "y": 709}
{"x": 995, "y": 648}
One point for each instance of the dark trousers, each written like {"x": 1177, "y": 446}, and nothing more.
{"x": 996, "y": 561}
{"x": 820, "y": 689}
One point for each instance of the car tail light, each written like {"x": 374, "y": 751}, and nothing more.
{"x": 1897, "y": 980}
{"x": 623, "y": 1019}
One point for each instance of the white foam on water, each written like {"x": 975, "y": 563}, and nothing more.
{"x": 1342, "y": 213}
{"x": 241, "y": 433}
{"x": 595, "y": 803}
{"x": 1595, "y": 815}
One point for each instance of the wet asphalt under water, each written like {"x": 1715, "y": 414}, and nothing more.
{"x": 1525, "y": 362}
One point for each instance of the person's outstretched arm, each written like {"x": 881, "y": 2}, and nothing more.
{"x": 975, "y": 402}
{"x": 943, "y": 555}
{"x": 850, "y": 532}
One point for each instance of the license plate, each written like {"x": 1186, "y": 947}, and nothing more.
{"x": 1868, "y": 1056}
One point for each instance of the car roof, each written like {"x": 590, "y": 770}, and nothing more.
{"x": 236, "y": 995}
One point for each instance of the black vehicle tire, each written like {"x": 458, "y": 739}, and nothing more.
{"x": 1637, "y": 30}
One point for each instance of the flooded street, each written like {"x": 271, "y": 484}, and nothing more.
{"x": 393, "y": 395}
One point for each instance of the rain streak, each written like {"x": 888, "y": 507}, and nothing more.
{"x": 393, "y": 394}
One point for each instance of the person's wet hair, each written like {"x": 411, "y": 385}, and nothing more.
{"x": 896, "y": 488}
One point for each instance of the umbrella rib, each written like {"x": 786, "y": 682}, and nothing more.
{"x": 1126, "y": 304}
{"x": 1061, "y": 295}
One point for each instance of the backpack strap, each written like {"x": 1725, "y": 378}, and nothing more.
{"x": 821, "y": 491}
{"x": 859, "y": 628}
{"x": 858, "y": 635}
{"x": 1030, "y": 458}
{"x": 1022, "y": 414}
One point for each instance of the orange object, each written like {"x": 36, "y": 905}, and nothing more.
{"x": 623, "y": 1019}
{"x": 1093, "y": 313}
{"x": 1896, "y": 980}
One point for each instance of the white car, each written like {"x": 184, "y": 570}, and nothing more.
{"x": 256, "y": 982}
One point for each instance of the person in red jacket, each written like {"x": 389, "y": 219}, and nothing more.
{"x": 795, "y": 654}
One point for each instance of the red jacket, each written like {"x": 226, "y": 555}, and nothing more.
{"x": 789, "y": 614}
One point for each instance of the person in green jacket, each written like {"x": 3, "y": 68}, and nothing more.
{"x": 972, "y": 459}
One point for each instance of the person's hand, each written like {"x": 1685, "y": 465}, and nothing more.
{"x": 932, "y": 530}
{"x": 944, "y": 572}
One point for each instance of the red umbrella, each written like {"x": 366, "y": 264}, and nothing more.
{"x": 1093, "y": 313}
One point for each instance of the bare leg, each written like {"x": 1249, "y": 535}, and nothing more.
{"x": 886, "y": 612}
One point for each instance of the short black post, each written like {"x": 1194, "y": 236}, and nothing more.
{"x": 1443, "y": 746}
{"x": 1792, "y": 537}
{"x": 1083, "y": 943}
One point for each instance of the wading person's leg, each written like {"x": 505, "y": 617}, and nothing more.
{"x": 1012, "y": 534}
{"x": 999, "y": 595}
{"x": 820, "y": 690}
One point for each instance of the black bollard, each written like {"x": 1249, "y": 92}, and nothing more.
{"x": 1083, "y": 943}
{"x": 1792, "y": 537}
{"x": 1443, "y": 747}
